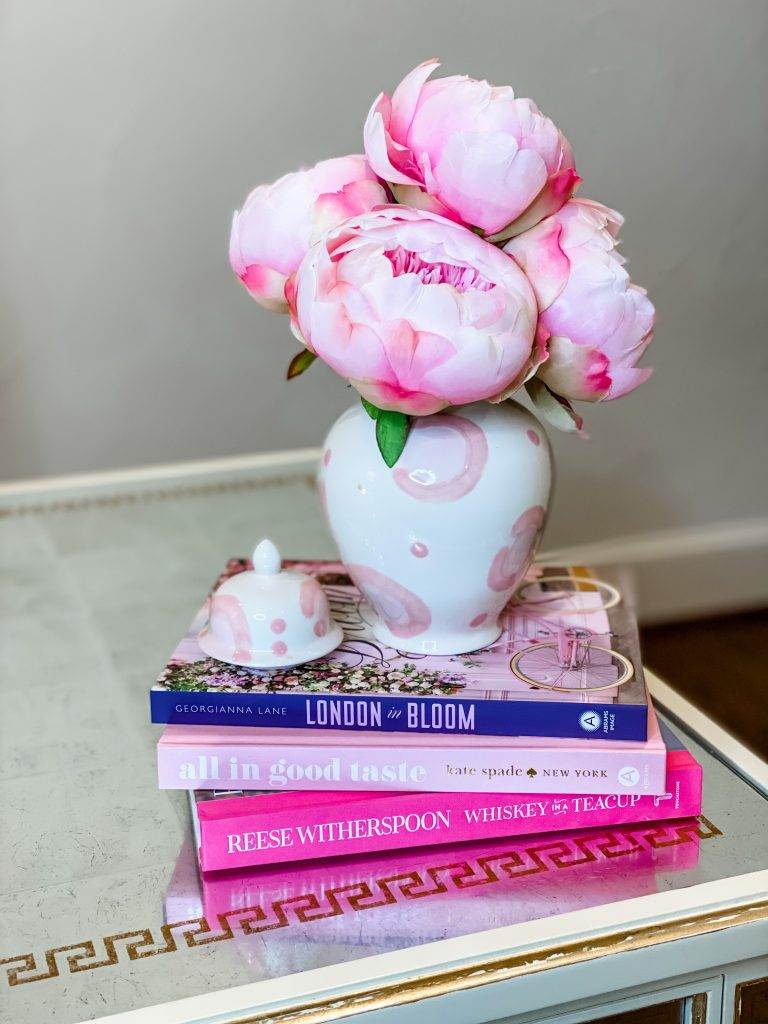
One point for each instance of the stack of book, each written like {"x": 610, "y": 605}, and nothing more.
{"x": 549, "y": 729}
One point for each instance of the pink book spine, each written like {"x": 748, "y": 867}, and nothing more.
{"x": 636, "y": 769}
{"x": 249, "y": 831}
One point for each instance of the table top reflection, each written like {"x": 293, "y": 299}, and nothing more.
{"x": 102, "y": 907}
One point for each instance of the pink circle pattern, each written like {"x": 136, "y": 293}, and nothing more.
{"x": 404, "y": 614}
{"x": 279, "y": 647}
{"x": 321, "y": 493}
{"x": 474, "y": 460}
{"x": 533, "y": 437}
{"x": 321, "y": 627}
{"x": 277, "y": 625}
{"x": 419, "y": 550}
{"x": 228, "y": 622}
{"x": 310, "y": 598}
{"x": 478, "y": 620}
{"x": 510, "y": 562}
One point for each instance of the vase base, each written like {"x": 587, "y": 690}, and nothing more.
{"x": 440, "y": 643}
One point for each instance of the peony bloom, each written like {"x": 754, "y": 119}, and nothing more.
{"x": 469, "y": 151}
{"x": 279, "y": 222}
{"x": 599, "y": 324}
{"x": 417, "y": 312}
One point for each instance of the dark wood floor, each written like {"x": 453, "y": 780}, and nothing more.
{"x": 721, "y": 665}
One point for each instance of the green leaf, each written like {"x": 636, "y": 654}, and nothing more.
{"x": 391, "y": 434}
{"x": 300, "y": 362}
{"x": 370, "y": 408}
{"x": 553, "y": 408}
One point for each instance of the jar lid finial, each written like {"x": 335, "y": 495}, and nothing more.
{"x": 266, "y": 558}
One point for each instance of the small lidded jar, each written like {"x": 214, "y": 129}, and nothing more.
{"x": 268, "y": 617}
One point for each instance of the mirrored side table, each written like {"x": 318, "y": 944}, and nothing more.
{"x": 103, "y": 915}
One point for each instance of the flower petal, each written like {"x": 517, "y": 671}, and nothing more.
{"x": 580, "y": 373}
{"x": 381, "y": 150}
{"x": 542, "y": 259}
{"x": 488, "y": 178}
{"x": 557, "y": 191}
{"x": 405, "y": 98}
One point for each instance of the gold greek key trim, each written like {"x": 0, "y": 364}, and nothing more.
{"x": 555, "y": 853}
{"x": 148, "y": 494}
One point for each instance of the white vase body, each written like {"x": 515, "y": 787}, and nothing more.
{"x": 438, "y": 543}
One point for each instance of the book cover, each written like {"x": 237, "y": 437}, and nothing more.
{"x": 224, "y": 757}
{"x": 235, "y": 829}
{"x": 529, "y": 683}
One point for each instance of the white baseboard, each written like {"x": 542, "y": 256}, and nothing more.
{"x": 688, "y": 572}
{"x": 681, "y": 573}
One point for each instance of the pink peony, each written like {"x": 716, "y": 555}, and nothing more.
{"x": 598, "y": 322}
{"x": 470, "y": 151}
{"x": 417, "y": 312}
{"x": 278, "y": 222}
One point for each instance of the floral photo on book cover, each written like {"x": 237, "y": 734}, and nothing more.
{"x": 532, "y": 660}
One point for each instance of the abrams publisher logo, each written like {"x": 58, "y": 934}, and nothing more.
{"x": 590, "y": 721}
{"x": 629, "y": 776}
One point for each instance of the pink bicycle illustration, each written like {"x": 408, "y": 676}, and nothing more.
{"x": 569, "y": 658}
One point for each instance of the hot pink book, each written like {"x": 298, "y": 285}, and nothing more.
{"x": 236, "y": 830}
{"x": 222, "y": 757}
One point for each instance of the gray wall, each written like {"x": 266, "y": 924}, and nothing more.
{"x": 131, "y": 131}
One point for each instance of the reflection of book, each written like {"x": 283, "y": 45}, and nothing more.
{"x": 363, "y": 685}
{"x": 379, "y": 901}
{"x": 234, "y": 829}
{"x": 220, "y": 757}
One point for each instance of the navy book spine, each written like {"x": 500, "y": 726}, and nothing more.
{"x": 380, "y": 713}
